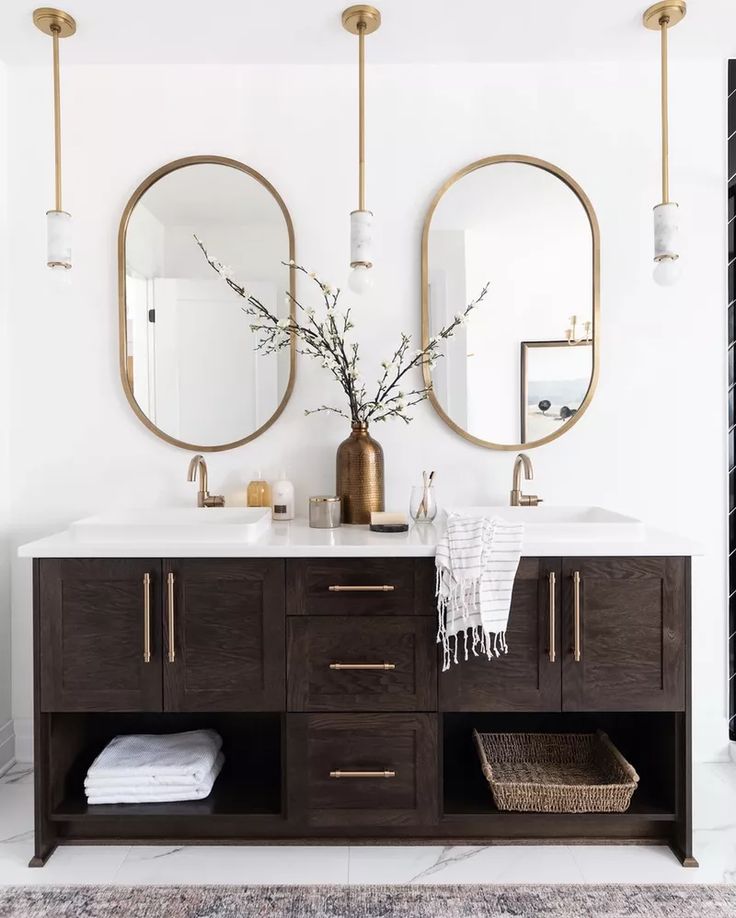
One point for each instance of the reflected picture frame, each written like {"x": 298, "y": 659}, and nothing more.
{"x": 526, "y": 347}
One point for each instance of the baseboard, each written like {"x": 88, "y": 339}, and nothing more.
{"x": 23, "y": 739}
{"x": 7, "y": 747}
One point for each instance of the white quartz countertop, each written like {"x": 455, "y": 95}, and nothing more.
{"x": 296, "y": 539}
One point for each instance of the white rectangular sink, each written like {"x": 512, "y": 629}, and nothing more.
{"x": 564, "y": 524}
{"x": 207, "y": 524}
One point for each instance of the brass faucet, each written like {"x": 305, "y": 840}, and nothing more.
{"x": 518, "y": 499}
{"x": 204, "y": 498}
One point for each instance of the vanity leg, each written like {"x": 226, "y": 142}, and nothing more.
{"x": 38, "y": 859}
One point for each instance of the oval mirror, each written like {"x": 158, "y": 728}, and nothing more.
{"x": 188, "y": 361}
{"x": 522, "y": 368}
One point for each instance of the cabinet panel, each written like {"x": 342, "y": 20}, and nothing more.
{"x": 94, "y": 635}
{"x": 229, "y": 635}
{"x": 387, "y": 767}
{"x": 525, "y": 678}
{"x": 328, "y": 658}
{"x": 360, "y": 586}
{"x": 632, "y": 614}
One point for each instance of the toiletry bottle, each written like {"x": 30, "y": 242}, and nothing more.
{"x": 259, "y": 493}
{"x": 282, "y": 499}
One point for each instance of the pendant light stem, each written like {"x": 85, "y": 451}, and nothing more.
{"x": 57, "y": 118}
{"x": 361, "y": 116}
{"x": 663, "y": 24}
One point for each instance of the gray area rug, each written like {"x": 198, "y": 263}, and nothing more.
{"x": 369, "y": 902}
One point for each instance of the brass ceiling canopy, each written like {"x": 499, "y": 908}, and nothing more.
{"x": 51, "y": 21}
{"x": 354, "y": 16}
{"x": 669, "y": 12}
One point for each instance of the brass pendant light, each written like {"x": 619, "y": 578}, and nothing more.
{"x": 361, "y": 21}
{"x": 57, "y": 24}
{"x": 662, "y": 17}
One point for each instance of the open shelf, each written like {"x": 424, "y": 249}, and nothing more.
{"x": 248, "y": 785}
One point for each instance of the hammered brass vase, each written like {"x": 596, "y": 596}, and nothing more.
{"x": 360, "y": 481}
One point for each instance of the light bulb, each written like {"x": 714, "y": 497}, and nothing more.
{"x": 667, "y": 271}
{"x": 360, "y": 279}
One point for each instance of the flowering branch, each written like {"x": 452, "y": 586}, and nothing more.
{"x": 325, "y": 339}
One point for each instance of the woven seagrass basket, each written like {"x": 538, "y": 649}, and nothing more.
{"x": 556, "y": 772}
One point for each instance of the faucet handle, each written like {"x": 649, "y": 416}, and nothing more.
{"x": 213, "y": 500}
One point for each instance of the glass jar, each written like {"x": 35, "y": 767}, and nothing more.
{"x": 423, "y": 504}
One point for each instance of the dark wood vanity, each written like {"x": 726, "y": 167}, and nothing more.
{"x": 317, "y": 671}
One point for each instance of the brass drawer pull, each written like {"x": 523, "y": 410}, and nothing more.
{"x": 577, "y": 653}
{"x": 170, "y": 586}
{"x": 362, "y": 774}
{"x": 146, "y": 618}
{"x": 552, "y": 616}
{"x": 383, "y": 588}
{"x": 384, "y": 666}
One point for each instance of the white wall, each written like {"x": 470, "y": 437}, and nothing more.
{"x": 6, "y": 729}
{"x": 652, "y": 443}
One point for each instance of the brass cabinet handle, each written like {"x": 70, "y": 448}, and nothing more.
{"x": 170, "y": 587}
{"x": 576, "y": 615}
{"x": 384, "y": 666}
{"x": 362, "y": 774}
{"x": 552, "y": 616}
{"x": 383, "y": 588}
{"x": 146, "y": 618}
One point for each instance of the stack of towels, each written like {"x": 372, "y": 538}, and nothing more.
{"x": 155, "y": 769}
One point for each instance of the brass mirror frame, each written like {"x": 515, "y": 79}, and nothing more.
{"x": 122, "y": 235}
{"x": 595, "y": 279}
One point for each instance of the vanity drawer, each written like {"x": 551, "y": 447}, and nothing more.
{"x": 363, "y": 769}
{"x": 338, "y": 663}
{"x": 360, "y": 586}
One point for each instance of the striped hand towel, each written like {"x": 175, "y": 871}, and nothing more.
{"x": 476, "y": 564}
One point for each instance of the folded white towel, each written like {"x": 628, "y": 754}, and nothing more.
{"x": 476, "y": 561}
{"x": 173, "y": 757}
{"x": 134, "y": 793}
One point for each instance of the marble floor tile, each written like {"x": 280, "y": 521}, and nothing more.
{"x": 68, "y": 866}
{"x": 16, "y": 813}
{"x": 18, "y": 774}
{"x": 233, "y": 864}
{"x": 464, "y": 864}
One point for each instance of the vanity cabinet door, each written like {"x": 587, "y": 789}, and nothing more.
{"x": 527, "y": 678}
{"x": 97, "y": 620}
{"x": 227, "y": 619}
{"x": 628, "y": 618}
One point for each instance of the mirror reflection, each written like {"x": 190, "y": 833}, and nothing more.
{"x": 191, "y": 369}
{"x": 521, "y": 368}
